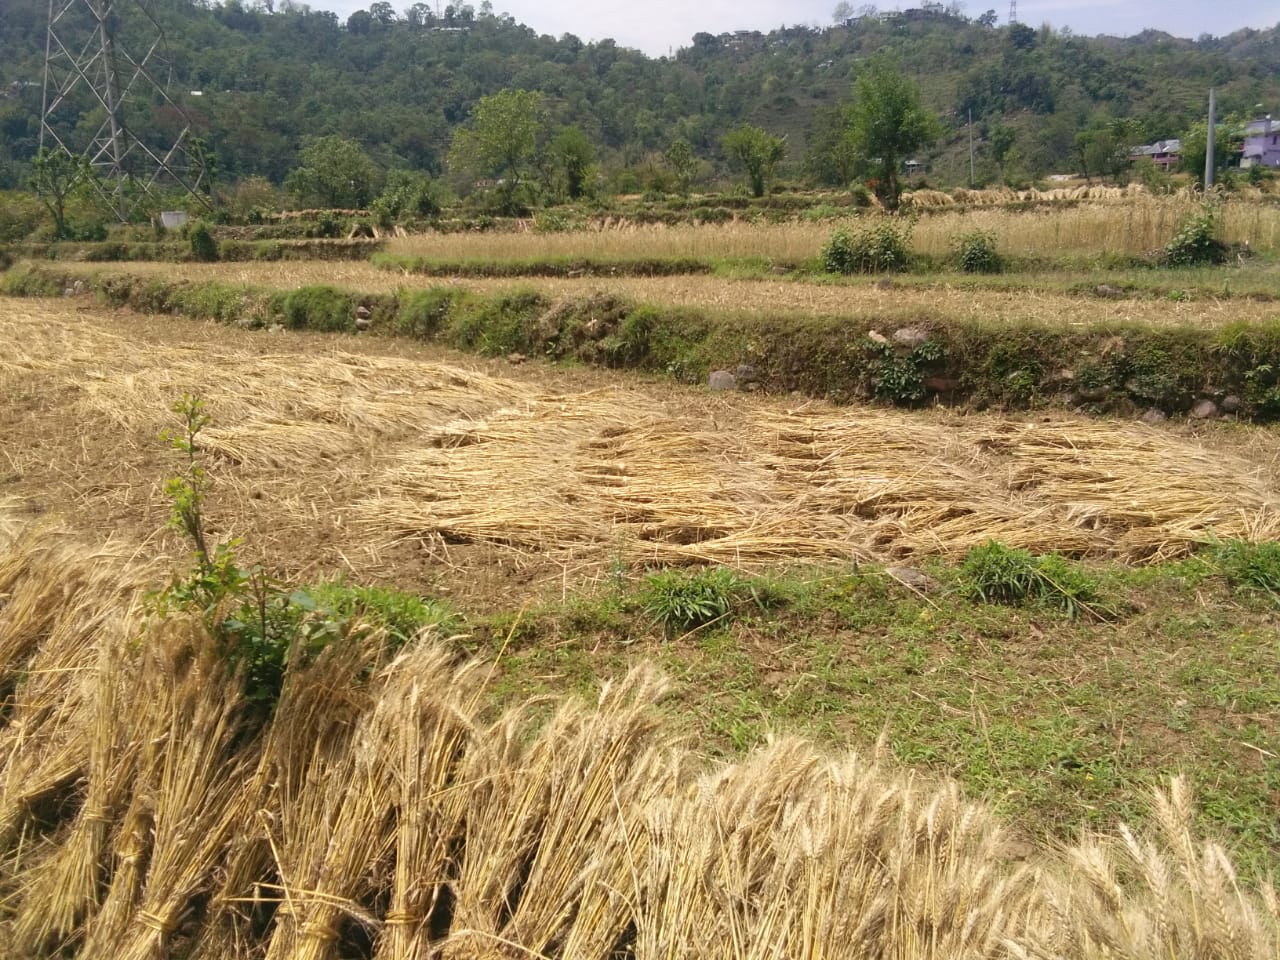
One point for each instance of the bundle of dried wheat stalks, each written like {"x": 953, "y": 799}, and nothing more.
{"x": 384, "y": 812}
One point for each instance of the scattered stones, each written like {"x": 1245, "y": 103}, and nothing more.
{"x": 722, "y": 380}
{"x": 1230, "y": 403}
{"x": 1107, "y": 291}
{"x": 1063, "y": 376}
{"x": 910, "y": 336}
{"x": 1204, "y": 409}
{"x": 364, "y": 317}
{"x": 276, "y": 328}
{"x": 516, "y": 357}
{"x": 1153, "y": 416}
{"x": 911, "y": 578}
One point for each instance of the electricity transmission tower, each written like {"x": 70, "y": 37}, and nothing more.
{"x": 105, "y": 84}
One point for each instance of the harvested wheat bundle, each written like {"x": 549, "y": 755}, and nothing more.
{"x": 332, "y": 807}
{"x": 1159, "y": 896}
{"x": 70, "y": 881}
{"x": 560, "y": 825}
{"x": 199, "y": 796}
{"x": 61, "y": 602}
{"x": 424, "y": 725}
{"x": 310, "y": 730}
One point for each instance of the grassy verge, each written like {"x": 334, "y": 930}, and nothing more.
{"x": 1114, "y": 367}
{"x": 1062, "y": 721}
{"x": 128, "y": 251}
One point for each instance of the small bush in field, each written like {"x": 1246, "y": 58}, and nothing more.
{"x": 976, "y": 252}
{"x": 877, "y": 248}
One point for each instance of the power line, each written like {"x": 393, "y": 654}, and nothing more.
{"x": 94, "y": 75}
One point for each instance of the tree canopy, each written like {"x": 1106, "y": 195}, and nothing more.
{"x": 888, "y": 123}
{"x": 758, "y": 154}
{"x": 501, "y": 140}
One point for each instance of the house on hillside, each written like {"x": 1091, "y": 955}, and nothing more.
{"x": 1163, "y": 153}
{"x": 1261, "y": 144}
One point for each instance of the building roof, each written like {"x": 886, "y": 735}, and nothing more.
{"x": 1160, "y": 146}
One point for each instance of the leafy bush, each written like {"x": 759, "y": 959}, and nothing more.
{"x": 682, "y": 601}
{"x": 995, "y": 573}
{"x": 423, "y": 312}
{"x": 1196, "y": 241}
{"x": 876, "y": 248}
{"x": 498, "y": 325}
{"x": 318, "y": 308}
{"x": 899, "y": 378}
{"x": 203, "y": 247}
{"x": 402, "y": 615}
{"x": 23, "y": 281}
{"x": 976, "y": 252}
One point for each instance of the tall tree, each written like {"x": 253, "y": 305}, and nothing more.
{"x": 757, "y": 152}
{"x": 56, "y": 177}
{"x": 574, "y": 158}
{"x": 334, "y": 172}
{"x": 501, "y": 140}
{"x": 887, "y": 123}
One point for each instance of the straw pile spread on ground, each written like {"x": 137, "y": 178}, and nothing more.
{"x": 384, "y": 813}
{"x": 372, "y": 450}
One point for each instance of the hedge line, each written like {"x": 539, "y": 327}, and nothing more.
{"x": 1113, "y": 368}
{"x": 120, "y": 251}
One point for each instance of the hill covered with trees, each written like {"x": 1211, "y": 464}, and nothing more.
{"x": 275, "y": 77}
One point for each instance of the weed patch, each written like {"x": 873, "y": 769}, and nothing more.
{"x": 995, "y": 573}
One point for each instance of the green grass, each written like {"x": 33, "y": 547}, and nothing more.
{"x": 1061, "y": 721}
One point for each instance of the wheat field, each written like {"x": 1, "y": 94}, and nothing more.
{"x": 383, "y": 811}
{"x": 355, "y": 453}
{"x": 1127, "y": 224}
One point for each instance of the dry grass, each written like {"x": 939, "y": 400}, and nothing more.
{"x": 342, "y": 458}
{"x": 382, "y": 812}
{"x": 1102, "y": 220}
{"x": 899, "y": 304}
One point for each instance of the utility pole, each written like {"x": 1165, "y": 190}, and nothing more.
{"x": 971, "y": 148}
{"x": 1209, "y": 144}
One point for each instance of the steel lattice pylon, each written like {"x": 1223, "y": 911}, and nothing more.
{"x": 93, "y": 80}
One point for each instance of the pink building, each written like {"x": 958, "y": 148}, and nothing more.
{"x": 1261, "y": 144}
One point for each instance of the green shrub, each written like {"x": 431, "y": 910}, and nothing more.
{"x": 423, "y": 312}
{"x": 995, "y": 573}
{"x": 318, "y": 308}
{"x": 203, "y": 247}
{"x": 23, "y": 281}
{"x": 876, "y": 248}
{"x": 498, "y": 325}
{"x": 1196, "y": 241}
{"x": 976, "y": 252}
{"x": 402, "y": 615}
{"x": 682, "y": 601}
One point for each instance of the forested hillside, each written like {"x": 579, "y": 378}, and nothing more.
{"x": 400, "y": 82}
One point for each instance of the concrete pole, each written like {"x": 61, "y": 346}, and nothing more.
{"x": 1209, "y": 144}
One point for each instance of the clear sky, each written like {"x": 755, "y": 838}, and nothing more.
{"x": 661, "y": 26}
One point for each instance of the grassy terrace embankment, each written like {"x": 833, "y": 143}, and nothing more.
{"x": 900, "y": 342}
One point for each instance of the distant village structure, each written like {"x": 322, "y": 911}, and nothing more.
{"x": 1163, "y": 153}
{"x": 1261, "y": 144}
